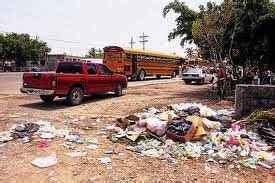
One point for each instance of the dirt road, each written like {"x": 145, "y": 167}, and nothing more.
{"x": 15, "y": 157}
{"x": 10, "y": 83}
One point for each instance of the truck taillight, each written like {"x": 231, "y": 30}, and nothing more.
{"x": 53, "y": 83}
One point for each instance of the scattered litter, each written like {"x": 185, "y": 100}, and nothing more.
{"x": 92, "y": 147}
{"x": 25, "y": 130}
{"x": 193, "y": 130}
{"x": 91, "y": 140}
{"x": 42, "y": 144}
{"x": 5, "y": 137}
{"x": 105, "y": 160}
{"x": 77, "y": 153}
{"x": 249, "y": 163}
{"x": 44, "y": 162}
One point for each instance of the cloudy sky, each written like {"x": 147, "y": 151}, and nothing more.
{"x": 74, "y": 26}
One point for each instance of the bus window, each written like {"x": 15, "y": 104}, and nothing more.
{"x": 128, "y": 56}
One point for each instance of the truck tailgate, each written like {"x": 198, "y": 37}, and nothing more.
{"x": 38, "y": 80}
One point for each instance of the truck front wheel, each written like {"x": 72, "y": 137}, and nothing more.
{"x": 118, "y": 91}
{"x": 75, "y": 96}
{"x": 47, "y": 98}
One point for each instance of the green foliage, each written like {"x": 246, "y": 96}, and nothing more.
{"x": 94, "y": 53}
{"x": 190, "y": 52}
{"x": 21, "y": 48}
{"x": 241, "y": 30}
{"x": 184, "y": 21}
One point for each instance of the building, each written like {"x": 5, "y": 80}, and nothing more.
{"x": 52, "y": 60}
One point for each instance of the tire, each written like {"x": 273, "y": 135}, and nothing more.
{"x": 187, "y": 81}
{"x": 118, "y": 91}
{"x": 75, "y": 96}
{"x": 141, "y": 75}
{"x": 202, "y": 81}
{"x": 47, "y": 98}
{"x": 158, "y": 76}
{"x": 174, "y": 74}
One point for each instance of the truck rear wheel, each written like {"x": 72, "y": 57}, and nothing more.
{"x": 118, "y": 91}
{"x": 75, "y": 96}
{"x": 47, "y": 98}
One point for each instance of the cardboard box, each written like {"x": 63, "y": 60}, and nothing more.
{"x": 189, "y": 135}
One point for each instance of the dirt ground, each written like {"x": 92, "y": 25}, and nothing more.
{"x": 126, "y": 166}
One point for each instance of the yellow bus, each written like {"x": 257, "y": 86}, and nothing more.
{"x": 137, "y": 63}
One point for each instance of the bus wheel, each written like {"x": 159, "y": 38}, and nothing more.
{"x": 141, "y": 75}
{"x": 158, "y": 76}
{"x": 174, "y": 74}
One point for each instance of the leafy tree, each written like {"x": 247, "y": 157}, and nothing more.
{"x": 21, "y": 48}
{"x": 190, "y": 52}
{"x": 241, "y": 30}
{"x": 94, "y": 53}
{"x": 184, "y": 21}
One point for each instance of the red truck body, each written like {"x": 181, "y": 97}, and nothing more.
{"x": 90, "y": 78}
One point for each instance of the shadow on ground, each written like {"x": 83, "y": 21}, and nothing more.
{"x": 62, "y": 103}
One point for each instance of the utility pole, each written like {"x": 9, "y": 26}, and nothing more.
{"x": 132, "y": 42}
{"x": 143, "y": 41}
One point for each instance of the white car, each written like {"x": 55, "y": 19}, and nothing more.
{"x": 197, "y": 75}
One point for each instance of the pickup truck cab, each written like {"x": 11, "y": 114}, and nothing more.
{"x": 73, "y": 80}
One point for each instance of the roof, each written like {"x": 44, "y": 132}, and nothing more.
{"x": 141, "y": 52}
{"x": 147, "y": 52}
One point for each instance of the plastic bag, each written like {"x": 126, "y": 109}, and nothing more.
{"x": 156, "y": 126}
{"x": 46, "y": 161}
{"x": 249, "y": 163}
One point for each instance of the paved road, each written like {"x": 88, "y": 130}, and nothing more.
{"x": 11, "y": 82}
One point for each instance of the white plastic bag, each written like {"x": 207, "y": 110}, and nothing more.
{"x": 156, "y": 126}
{"x": 44, "y": 162}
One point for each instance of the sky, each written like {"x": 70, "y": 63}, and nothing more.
{"x": 74, "y": 26}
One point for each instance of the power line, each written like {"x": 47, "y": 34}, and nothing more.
{"x": 132, "y": 42}
{"x": 143, "y": 41}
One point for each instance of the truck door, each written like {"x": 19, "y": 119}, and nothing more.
{"x": 93, "y": 79}
{"x": 106, "y": 83}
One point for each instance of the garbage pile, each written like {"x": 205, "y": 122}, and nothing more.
{"x": 193, "y": 130}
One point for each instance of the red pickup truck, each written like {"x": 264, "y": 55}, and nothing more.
{"x": 73, "y": 80}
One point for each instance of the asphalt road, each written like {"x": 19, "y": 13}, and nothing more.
{"x": 10, "y": 83}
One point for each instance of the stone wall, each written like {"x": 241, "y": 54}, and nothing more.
{"x": 249, "y": 98}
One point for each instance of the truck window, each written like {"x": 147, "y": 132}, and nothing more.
{"x": 72, "y": 68}
{"x": 91, "y": 69}
{"x": 104, "y": 70}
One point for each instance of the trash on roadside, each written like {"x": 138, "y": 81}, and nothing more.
{"x": 105, "y": 160}
{"x": 92, "y": 146}
{"x": 42, "y": 144}
{"x": 44, "y": 162}
{"x": 76, "y": 153}
{"x": 193, "y": 130}
{"x": 25, "y": 130}
{"x": 249, "y": 163}
{"x": 5, "y": 137}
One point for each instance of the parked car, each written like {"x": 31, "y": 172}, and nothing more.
{"x": 197, "y": 75}
{"x": 73, "y": 80}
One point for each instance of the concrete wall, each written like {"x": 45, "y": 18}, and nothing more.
{"x": 249, "y": 98}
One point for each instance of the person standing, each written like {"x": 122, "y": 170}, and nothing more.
{"x": 221, "y": 81}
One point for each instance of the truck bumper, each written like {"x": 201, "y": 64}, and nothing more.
{"x": 34, "y": 91}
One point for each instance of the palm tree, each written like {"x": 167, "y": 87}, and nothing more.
{"x": 190, "y": 52}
